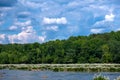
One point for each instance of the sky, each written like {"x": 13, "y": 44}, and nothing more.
{"x": 29, "y": 21}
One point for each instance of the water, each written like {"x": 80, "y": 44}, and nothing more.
{"x": 50, "y": 75}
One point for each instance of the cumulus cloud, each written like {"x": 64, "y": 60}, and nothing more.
{"x": 107, "y": 23}
{"x": 96, "y": 30}
{"x": 41, "y": 39}
{"x": 22, "y": 19}
{"x": 22, "y": 37}
{"x": 28, "y": 29}
{"x": 27, "y": 35}
{"x": 2, "y": 36}
{"x": 61, "y": 20}
{"x": 3, "y": 39}
{"x": 109, "y": 17}
{"x": 20, "y": 25}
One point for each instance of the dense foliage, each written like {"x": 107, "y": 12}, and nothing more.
{"x": 95, "y": 48}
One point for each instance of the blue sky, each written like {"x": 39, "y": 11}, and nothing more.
{"x": 28, "y": 21}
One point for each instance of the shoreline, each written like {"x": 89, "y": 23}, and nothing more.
{"x": 64, "y": 67}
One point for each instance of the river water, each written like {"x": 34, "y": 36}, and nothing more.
{"x": 50, "y": 75}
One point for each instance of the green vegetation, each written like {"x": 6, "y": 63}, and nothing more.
{"x": 65, "y": 67}
{"x": 100, "y": 77}
{"x": 95, "y": 48}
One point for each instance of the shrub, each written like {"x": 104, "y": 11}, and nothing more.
{"x": 100, "y": 77}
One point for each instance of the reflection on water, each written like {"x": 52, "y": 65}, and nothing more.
{"x": 49, "y": 75}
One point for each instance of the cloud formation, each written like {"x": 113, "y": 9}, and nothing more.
{"x": 55, "y": 19}
{"x": 61, "y": 20}
{"x": 54, "y": 28}
{"x": 109, "y": 17}
{"x": 27, "y": 35}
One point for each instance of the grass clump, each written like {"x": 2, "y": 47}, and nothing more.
{"x": 100, "y": 77}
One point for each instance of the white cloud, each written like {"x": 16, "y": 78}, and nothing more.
{"x": 2, "y": 36}
{"x": 27, "y": 23}
{"x": 28, "y": 29}
{"x": 109, "y": 17}
{"x": 57, "y": 18}
{"x": 27, "y": 35}
{"x": 13, "y": 28}
{"x": 54, "y": 28}
{"x": 30, "y": 4}
{"x": 107, "y": 22}
{"x": 41, "y": 38}
{"x": 61, "y": 20}
{"x": 24, "y": 37}
{"x": 96, "y": 30}
{"x": 21, "y": 25}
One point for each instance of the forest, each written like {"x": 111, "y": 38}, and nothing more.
{"x": 95, "y": 48}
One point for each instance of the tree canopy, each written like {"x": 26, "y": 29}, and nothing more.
{"x": 95, "y": 48}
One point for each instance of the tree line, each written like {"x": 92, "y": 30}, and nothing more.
{"x": 95, "y": 48}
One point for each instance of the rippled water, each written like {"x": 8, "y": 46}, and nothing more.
{"x": 49, "y": 75}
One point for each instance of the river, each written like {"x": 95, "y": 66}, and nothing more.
{"x": 50, "y": 75}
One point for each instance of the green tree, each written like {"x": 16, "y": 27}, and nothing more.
{"x": 106, "y": 57}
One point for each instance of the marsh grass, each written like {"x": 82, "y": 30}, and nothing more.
{"x": 65, "y": 67}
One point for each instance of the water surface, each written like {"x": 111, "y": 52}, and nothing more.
{"x": 50, "y": 75}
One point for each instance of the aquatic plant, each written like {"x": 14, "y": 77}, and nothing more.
{"x": 118, "y": 78}
{"x": 100, "y": 77}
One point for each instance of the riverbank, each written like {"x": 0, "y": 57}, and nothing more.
{"x": 64, "y": 67}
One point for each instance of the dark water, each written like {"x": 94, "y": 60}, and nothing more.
{"x": 49, "y": 75}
